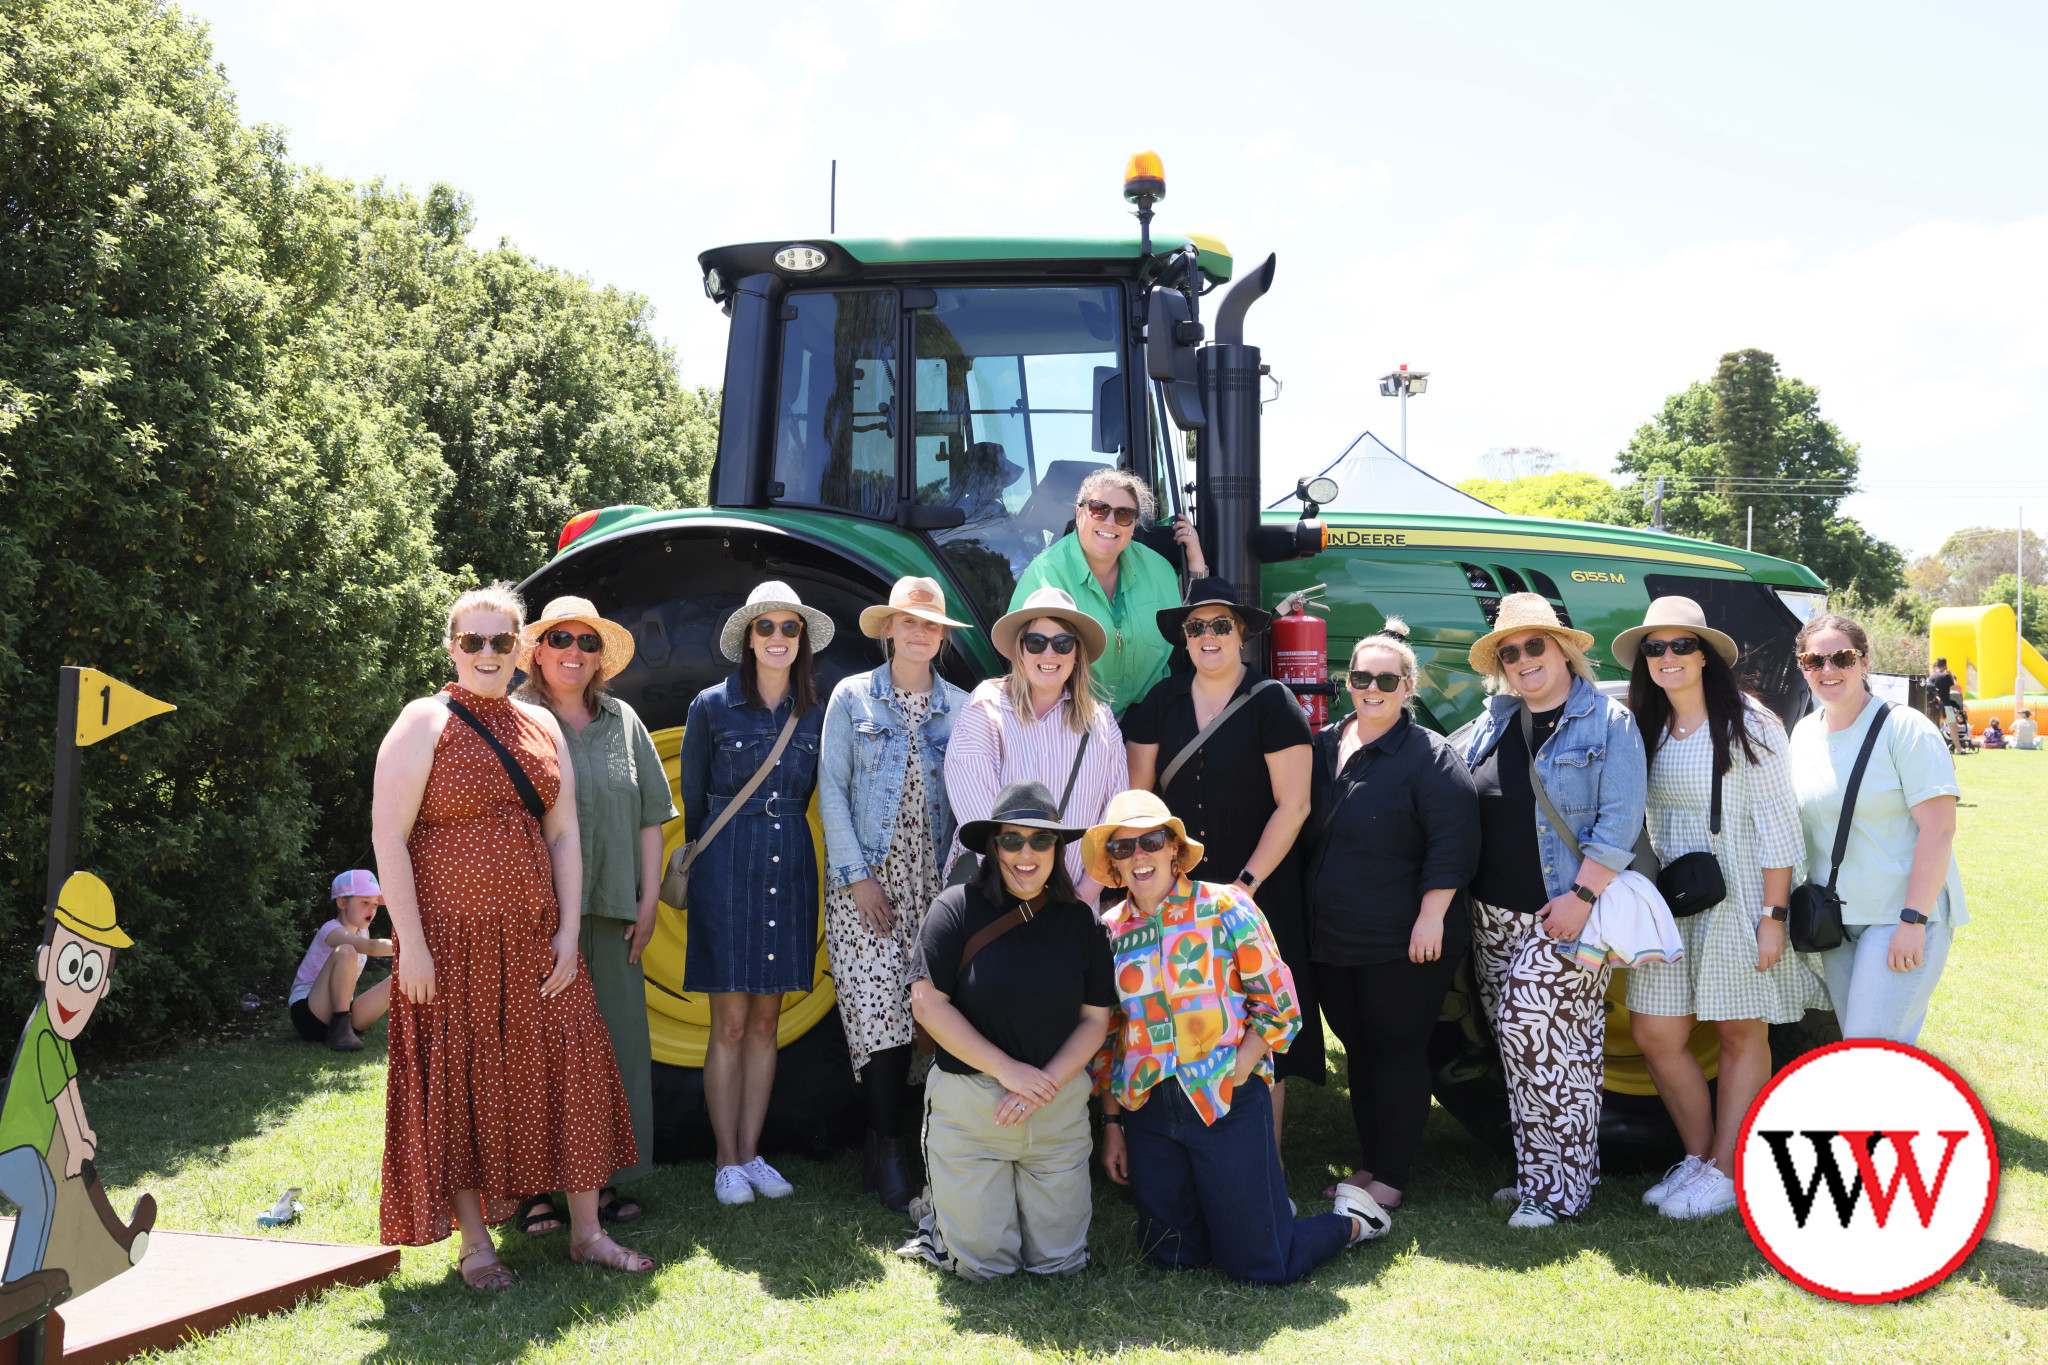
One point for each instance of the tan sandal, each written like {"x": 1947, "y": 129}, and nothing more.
{"x": 619, "y": 1258}
{"x": 492, "y": 1275}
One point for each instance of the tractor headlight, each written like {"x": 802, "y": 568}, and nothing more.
{"x": 800, "y": 259}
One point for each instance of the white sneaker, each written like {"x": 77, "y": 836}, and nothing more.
{"x": 731, "y": 1185}
{"x": 1354, "y": 1202}
{"x": 1710, "y": 1193}
{"x": 766, "y": 1179}
{"x": 1675, "y": 1179}
{"x": 1532, "y": 1213}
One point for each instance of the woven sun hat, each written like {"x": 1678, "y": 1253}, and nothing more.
{"x": 618, "y": 641}
{"x": 1209, "y": 592}
{"x": 1054, "y": 603}
{"x": 1521, "y": 611}
{"x": 1132, "y": 810}
{"x": 1029, "y": 804}
{"x": 1673, "y": 613}
{"x": 919, "y": 597}
{"x": 773, "y": 596}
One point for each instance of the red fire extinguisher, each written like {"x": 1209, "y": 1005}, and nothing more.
{"x": 1301, "y": 653}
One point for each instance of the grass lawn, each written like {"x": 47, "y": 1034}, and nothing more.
{"x": 217, "y": 1132}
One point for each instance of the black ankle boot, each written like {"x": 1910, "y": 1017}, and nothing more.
{"x": 886, "y": 1172}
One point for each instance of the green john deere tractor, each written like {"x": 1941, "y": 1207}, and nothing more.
{"x": 930, "y": 406}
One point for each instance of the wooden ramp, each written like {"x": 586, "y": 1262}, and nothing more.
{"x": 194, "y": 1283}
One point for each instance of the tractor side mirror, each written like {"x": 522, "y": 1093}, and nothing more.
{"x": 1172, "y": 337}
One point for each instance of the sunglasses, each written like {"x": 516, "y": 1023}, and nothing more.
{"x": 764, "y": 628}
{"x": 1386, "y": 682}
{"x": 562, "y": 639}
{"x": 1102, "y": 511}
{"x": 469, "y": 642}
{"x": 1508, "y": 654}
{"x": 1034, "y": 643}
{"x": 1654, "y": 649}
{"x": 1841, "y": 658}
{"x": 1151, "y": 841}
{"x": 1215, "y": 625}
{"x": 1010, "y": 841}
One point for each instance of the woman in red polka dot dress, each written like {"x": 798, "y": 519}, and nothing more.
{"x": 502, "y": 1082}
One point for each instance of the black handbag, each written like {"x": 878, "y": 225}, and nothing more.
{"x": 1816, "y": 920}
{"x": 1692, "y": 882}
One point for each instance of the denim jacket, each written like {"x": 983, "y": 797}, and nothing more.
{"x": 860, "y": 772}
{"x": 1593, "y": 769}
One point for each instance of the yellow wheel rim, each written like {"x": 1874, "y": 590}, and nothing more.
{"x": 1627, "y": 1072}
{"x": 679, "y": 1021}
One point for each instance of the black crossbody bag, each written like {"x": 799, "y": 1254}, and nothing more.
{"x": 1693, "y": 882}
{"x": 529, "y": 795}
{"x": 1816, "y": 919}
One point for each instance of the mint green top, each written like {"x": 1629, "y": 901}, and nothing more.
{"x": 42, "y": 1068}
{"x": 620, "y": 790}
{"x": 1146, "y": 584}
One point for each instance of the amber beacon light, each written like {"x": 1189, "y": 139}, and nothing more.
{"x": 1145, "y": 178}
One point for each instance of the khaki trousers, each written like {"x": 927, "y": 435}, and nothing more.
{"x": 999, "y": 1200}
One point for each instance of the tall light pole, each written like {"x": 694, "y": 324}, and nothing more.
{"x": 1400, "y": 384}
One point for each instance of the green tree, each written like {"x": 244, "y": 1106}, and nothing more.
{"x": 2033, "y": 610}
{"x": 1568, "y": 495}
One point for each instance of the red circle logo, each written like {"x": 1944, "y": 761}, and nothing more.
{"x": 1866, "y": 1171}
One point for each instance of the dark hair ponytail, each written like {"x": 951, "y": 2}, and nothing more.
{"x": 1727, "y": 710}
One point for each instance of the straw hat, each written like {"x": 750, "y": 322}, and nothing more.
{"x": 1209, "y": 592}
{"x": 1521, "y": 611}
{"x": 919, "y": 597}
{"x": 772, "y": 596}
{"x": 1029, "y": 804}
{"x": 1673, "y": 613}
{"x": 1056, "y": 604}
{"x": 1132, "y": 810}
{"x": 618, "y": 641}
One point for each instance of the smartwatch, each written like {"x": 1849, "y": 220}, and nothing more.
{"x": 1780, "y": 913}
{"x": 1911, "y": 917}
{"x": 1251, "y": 882}
{"x": 1583, "y": 894}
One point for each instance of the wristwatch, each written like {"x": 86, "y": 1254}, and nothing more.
{"x": 1780, "y": 913}
{"x": 1112, "y": 1120}
{"x": 1583, "y": 894}
{"x": 1911, "y": 917}
{"x": 1251, "y": 882}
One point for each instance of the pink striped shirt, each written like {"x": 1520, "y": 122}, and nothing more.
{"x": 992, "y": 746}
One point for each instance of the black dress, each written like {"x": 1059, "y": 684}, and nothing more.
{"x": 1224, "y": 795}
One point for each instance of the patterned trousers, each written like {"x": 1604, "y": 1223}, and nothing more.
{"x": 1549, "y": 1016}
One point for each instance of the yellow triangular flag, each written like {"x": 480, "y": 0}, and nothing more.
{"x": 108, "y": 706}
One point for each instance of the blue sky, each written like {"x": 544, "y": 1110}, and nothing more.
{"x": 1563, "y": 212}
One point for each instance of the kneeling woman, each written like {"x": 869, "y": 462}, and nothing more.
{"x": 1013, "y": 983}
{"x": 1188, "y": 1118}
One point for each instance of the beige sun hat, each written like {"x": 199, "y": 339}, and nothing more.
{"x": 1057, "y": 604}
{"x": 773, "y": 596}
{"x": 1673, "y": 613}
{"x": 1132, "y": 810}
{"x": 618, "y": 641}
{"x": 919, "y": 597}
{"x": 1520, "y": 611}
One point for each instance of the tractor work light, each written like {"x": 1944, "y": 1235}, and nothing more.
{"x": 1144, "y": 177}
{"x": 799, "y": 259}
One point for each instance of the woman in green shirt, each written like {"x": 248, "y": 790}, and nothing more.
{"x": 622, "y": 801}
{"x": 1121, "y": 584}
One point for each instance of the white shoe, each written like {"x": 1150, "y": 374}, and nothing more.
{"x": 1710, "y": 1193}
{"x": 1675, "y": 1179}
{"x": 766, "y": 1179}
{"x": 1354, "y": 1202}
{"x": 731, "y": 1185}
{"x": 1532, "y": 1213}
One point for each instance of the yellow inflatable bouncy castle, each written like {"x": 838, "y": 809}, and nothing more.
{"x": 1980, "y": 644}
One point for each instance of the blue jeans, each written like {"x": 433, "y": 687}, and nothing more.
{"x": 1872, "y": 1000}
{"x": 1213, "y": 1194}
{"x": 25, "y": 1179}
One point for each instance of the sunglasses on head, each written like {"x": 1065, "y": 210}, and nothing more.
{"x": 1152, "y": 840}
{"x": 1654, "y": 649}
{"x": 1215, "y": 625}
{"x": 764, "y": 628}
{"x": 1102, "y": 511}
{"x": 1508, "y": 654}
{"x": 1841, "y": 658}
{"x": 469, "y": 642}
{"x": 1366, "y": 682}
{"x": 1034, "y": 643}
{"x": 1010, "y": 841}
{"x": 562, "y": 639}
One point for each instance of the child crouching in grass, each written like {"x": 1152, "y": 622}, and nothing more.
{"x": 324, "y": 1005}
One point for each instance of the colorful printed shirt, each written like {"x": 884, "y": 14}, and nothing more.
{"x": 1190, "y": 980}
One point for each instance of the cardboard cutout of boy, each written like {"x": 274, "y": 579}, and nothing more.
{"x": 67, "y": 1239}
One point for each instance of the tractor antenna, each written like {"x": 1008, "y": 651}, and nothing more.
{"x": 832, "y": 220}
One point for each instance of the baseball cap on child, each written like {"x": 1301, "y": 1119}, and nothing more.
{"x": 356, "y": 881}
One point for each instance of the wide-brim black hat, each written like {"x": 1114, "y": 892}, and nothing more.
{"x": 1029, "y": 804}
{"x": 1210, "y": 592}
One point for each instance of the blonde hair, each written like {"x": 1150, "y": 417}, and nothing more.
{"x": 1084, "y": 697}
{"x": 1392, "y": 637}
{"x": 1140, "y": 491}
{"x": 1497, "y": 680}
{"x": 499, "y": 597}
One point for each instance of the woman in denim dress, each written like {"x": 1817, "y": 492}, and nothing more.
{"x": 753, "y": 917}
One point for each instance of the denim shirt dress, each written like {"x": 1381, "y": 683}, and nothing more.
{"x": 753, "y": 912}
{"x": 867, "y": 744}
{"x": 1593, "y": 769}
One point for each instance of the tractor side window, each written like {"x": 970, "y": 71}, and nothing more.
{"x": 1019, "y": 394}
{"x": 835, "y": 441}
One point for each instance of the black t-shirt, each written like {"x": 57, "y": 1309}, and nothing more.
{"x": 1510, "y": 863}
{"x": 1944, "y": 685}
{"x": 1023, "y": 992}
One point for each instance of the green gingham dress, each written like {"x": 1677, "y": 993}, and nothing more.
{"x": 1717, "y": 978}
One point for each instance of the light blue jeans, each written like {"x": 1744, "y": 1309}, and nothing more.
{"x": 25, "y": 1179}
{"x": 1872, "y": 1000}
